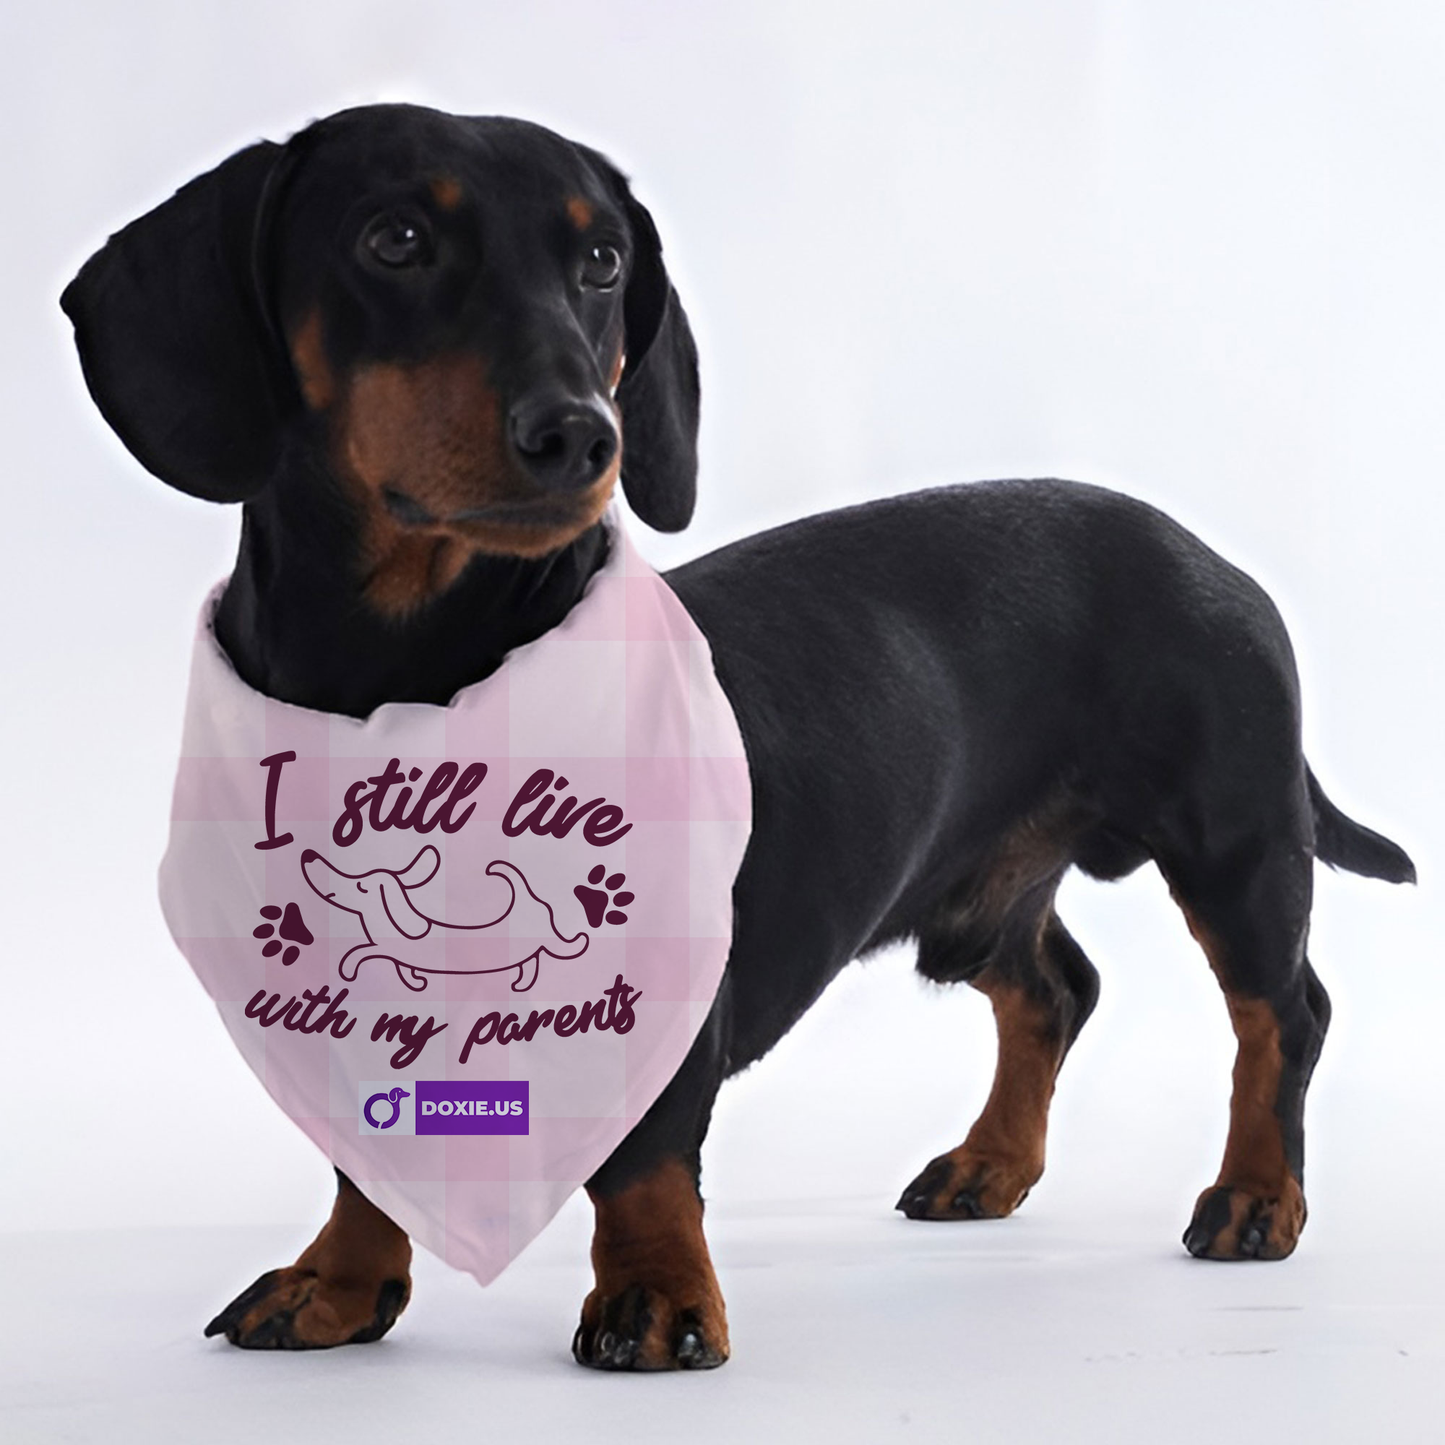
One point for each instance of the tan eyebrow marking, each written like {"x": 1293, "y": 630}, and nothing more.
{"x": 447, "y": 190}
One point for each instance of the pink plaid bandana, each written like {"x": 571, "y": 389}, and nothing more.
{"x": 466, "y": 947}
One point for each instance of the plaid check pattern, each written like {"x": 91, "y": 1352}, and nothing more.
{"x": 622, "y": 702}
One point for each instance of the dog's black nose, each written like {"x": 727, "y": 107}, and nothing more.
{"x": 565, "y": 443}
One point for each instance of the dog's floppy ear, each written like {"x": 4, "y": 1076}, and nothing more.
{"x": 421, "y": 869}
{"x": 404, "y": 917}
{"x": 658, "y": 394}
{"x": 176, "y": 349}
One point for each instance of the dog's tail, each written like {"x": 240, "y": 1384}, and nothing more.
{"x": 1343, "y": 843}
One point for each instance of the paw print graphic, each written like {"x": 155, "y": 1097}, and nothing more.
{"x": 595, "y": 900}
{"x": 293, "y": 930}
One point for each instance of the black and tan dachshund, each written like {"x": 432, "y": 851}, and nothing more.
{"x": 422, "y": 349}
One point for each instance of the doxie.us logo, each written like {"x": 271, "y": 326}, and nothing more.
{"x": 472, "y": 1106}
{"x": 386, "y": 1107}
{"x": 392, "y": 1108}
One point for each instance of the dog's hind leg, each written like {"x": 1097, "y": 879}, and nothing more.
{"x": 526, "y": 972}
{"x": 347, "y": 1288}
{"x": 1249, "y": 911}
{"x": 1042, "y": 989}
{"x": 412, "y": 978}
{"x": 352, "y": 960}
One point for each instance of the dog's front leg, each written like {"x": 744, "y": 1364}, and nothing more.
{"x": 656, "y": 1303}
{"x": 347, "y": 1288}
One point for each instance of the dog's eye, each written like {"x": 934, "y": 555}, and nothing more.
{"x": 601, "y": 267}
{"x": 398, "y": 240}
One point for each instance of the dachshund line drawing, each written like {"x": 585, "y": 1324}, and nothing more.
{"x": 400, "y": 933}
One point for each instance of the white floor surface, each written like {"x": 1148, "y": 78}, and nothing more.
{"x": 849, "y": 1324}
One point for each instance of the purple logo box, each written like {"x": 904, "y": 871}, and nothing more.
{"x": 464, "y": 1106}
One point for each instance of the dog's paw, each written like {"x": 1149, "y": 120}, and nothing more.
{"x": 596, "y": 901}
{"x": 641, "y": 1329}
{"x": 1239, "y": 1224}
{"x": 965, "y": 1184}
{"x": 294, "y": 1309}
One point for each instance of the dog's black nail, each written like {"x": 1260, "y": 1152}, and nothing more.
{"x": 228, "y": 1322}
{"x": 918, "y": 1195}
{"x": 966, "y": 1203}
{"x": 390, "y": 1301}
{"x": 1212, "y": 1216}
{"x": 616, "y": 1352}
{"x": 273, "y": 1333}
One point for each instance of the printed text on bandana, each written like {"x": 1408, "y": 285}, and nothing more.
{"x": 398, "y": 927}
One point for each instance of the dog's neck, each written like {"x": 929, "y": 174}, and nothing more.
{"x": 297, "y": 627}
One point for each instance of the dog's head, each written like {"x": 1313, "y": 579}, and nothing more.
{"x": 378, "y": 895}
{"x": 461, "y": 324}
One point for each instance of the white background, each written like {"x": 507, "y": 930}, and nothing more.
{"x": 1191, "y": 250}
